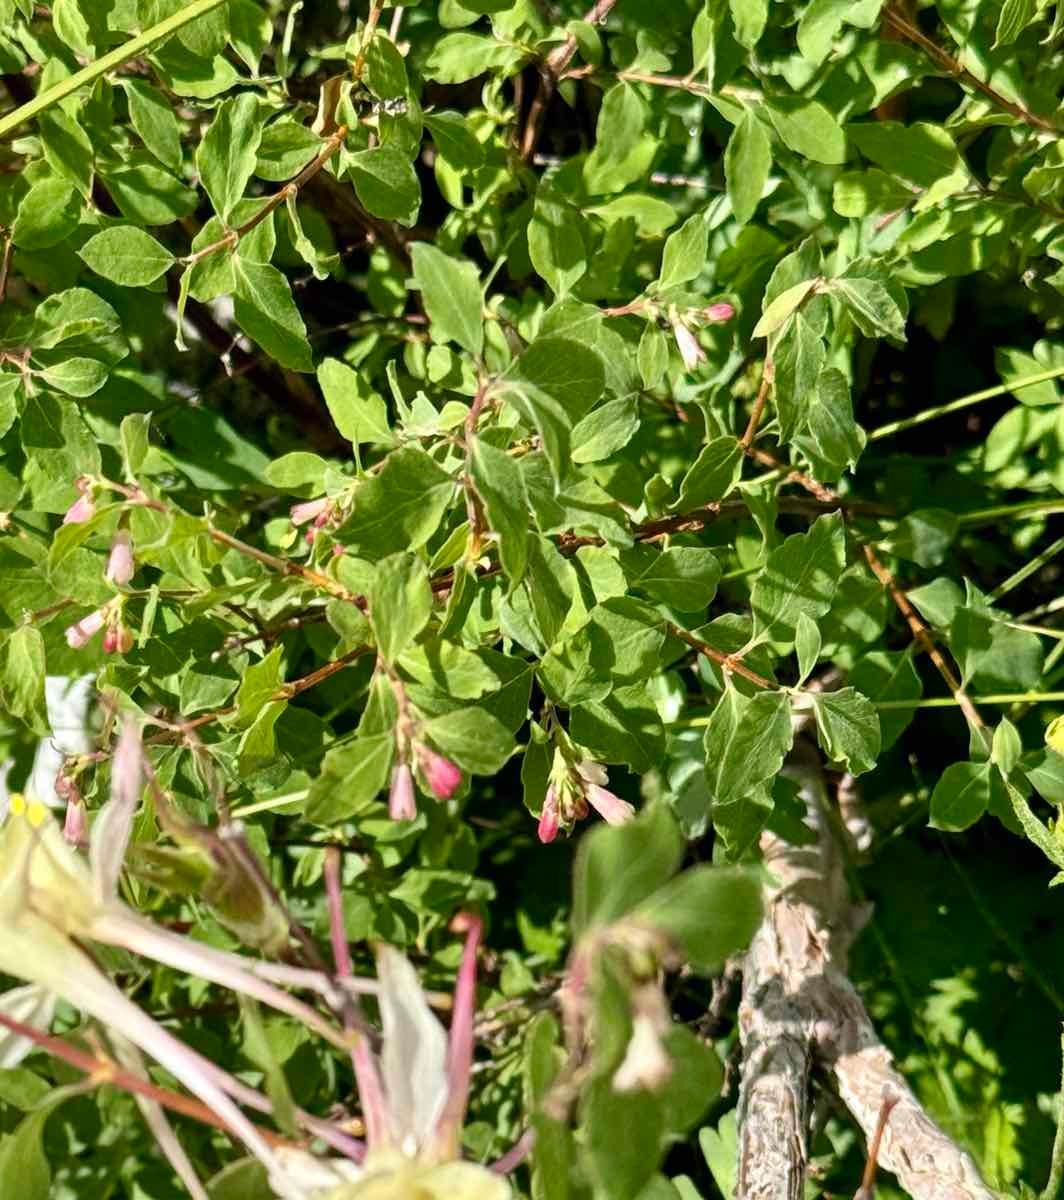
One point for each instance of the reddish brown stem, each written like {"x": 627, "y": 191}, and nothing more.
{"x": 961, "y": 73}
{"x": 768, "y": 374}
{"x": 102, "y": 1071}
{"x": 726, "y": 662}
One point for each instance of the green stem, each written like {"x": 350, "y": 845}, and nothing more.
{"x": 930, "y": 414}
{"x": 114, "y": 58}
{"x": 997, "y": 698}
{"x": 984, "y": 515}
{"x": 1027, "y": 570}
{"x": 1056, "y": 1171}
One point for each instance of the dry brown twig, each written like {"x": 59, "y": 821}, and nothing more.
{"x": 800, "y": 1010}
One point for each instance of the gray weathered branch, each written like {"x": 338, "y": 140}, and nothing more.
{"x": 799, "y": 1010}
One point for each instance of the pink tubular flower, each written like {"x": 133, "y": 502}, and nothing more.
{"x": 81, "y": 632}
{"x": 548, "y": 817}
{"x": 309, "y": 510}
{"x": 401, "y": 803}
{"x": 83, "y": 509}
{"x": 442, "y": 776}
{"x": 716, "y": 313}
{"x": 612, "y": 809}
{"x": 120, "y": 560}
{"x": 76, "y": 825}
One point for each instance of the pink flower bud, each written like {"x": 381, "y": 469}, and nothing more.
{"x": 120, "y": 560}
{"x": 83, "y": 509}
{"x": 110, "y": 640}
{"x": 548, "y": 817}
{"x": 401, "y": 803}
{"x": 611, "y": 808}
{"x": 717, "y": 313}
{"x": 686, "y": 342}
{"x": 80, "y": 633}
{"x": 309, "y": 510}
{"x": 337, "y": 550}
{"x": 442, "y": 776}
{"x": 310, "y": 535}
{"x": 123, "y": 639}
{"x": 76, "y": 826}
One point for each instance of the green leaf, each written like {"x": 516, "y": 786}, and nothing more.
{"x": 747, "y": 162}
{"x": 684, "y": 256}
{"x": 267, "y": 313}
{"x": 225, "y": 158}
{"x": 358, "y": 412}
{"x": 623, "y": 728}
{"x": 683, "y": 577}
{"x": 798, "y": 357}
{"x": 127, "y": 255}
{"x": 258, "y": 687}
{"x": 961, "y": 796}
{"x": 386, "y": 183}
{"x": 47, "y": 214}
{"x": 750, "y": 17}
{"x": 399, "y": 508}
{"x": 848, "y": 727}
{"x": 455, "y": 141}
{"x": 822, "y": 21}
{"x": 618, "y": 130}
{"x": 806, "y": 645}
{"x": 924, "y": 536}
{"x": 873, "y": 308}
{"x": 352, "y": 776}
{"x": 457, "y": 57}
{"x": 807, "y": 128}
{"x": 76, "y": 376}
{"x": 712, "y": 475}
{"x": 22, "y": 673}
{"x": 779, "y": 309}
{"x": 623, "y": 1133}
{"x": 859, "y": 193}
{"x": 711, "y": 912}
{"x": 888, "y": 676}
{"x": 799, "y": 576}
{"x": 153, "y": 120}
{"x": 618, "y": 867}
{"x": 1013, "y": 19}
{"x": 556, "y": 245}
{"x": 605, "y": 430}
{"x": 834, "y": 437}
{"x": 400, "y": 603}
{"x": 451, "y": 293}
{"x": 22, "y": 1157}
{"x": 921, "y": 153}
{"x": 497, "y": 479}
{"x": 552, "y": 385}
{"x": 471, "y": 737}
{"x": 746, "y": 741}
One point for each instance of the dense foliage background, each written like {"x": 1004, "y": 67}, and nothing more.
{"x": 516, "y": 388}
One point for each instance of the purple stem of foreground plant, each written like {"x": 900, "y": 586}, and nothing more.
{"x": 516, "y": 1155}
{"x": 460, "y": 1043}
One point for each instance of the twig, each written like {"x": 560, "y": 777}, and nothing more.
{"x": 368, "y": 31}
{"x": 726, "y": 662}
{"x": 961, "y": 73}
{"x": 800, "y": 1010}
{"x": 103, "y": 1071}
{"x": 768, "y": 374}
{"x": 558, "y": 59}
{"x": 5, "y": 265}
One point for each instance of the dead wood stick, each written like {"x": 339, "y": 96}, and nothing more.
{"x": 800, "y": 1010}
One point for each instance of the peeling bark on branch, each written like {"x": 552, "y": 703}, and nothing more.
{"x": 799, "y": 1011}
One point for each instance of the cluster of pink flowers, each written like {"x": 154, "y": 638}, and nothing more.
{"x": 439, "y": 774}
{"x": 117, "y": 637}
{"x": 572, "y": 791}
{"x": 320, "y": 513}
{"x": 688, "y": 345}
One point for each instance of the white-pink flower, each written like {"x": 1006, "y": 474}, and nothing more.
{"x": 82, "y": 632}
{"x": 309, "y": 510}
{"x": 401, "y": 803}
{"x": 120, "y": 559}
{"x": 83, "y": 509}
{"x": 548, "y": 817}
{"x": 687, "y": 344}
